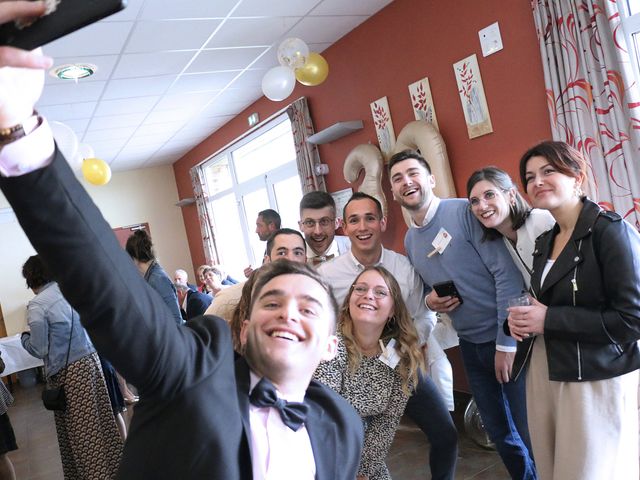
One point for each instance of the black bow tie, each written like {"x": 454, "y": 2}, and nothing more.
{"x": 293, "y": 414}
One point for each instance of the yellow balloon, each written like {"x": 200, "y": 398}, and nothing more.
{"x": 314, "y": 71}
{"x": 96, "y": 171}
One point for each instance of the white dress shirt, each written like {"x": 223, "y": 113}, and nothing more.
{"x": 342, "y": 271}
{"x": 277, "y": 452}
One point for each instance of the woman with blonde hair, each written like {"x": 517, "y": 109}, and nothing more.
{"x": 377, "y": 363}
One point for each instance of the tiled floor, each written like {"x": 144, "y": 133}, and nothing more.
{"x": 408, "y": 458}
{"x": 38, "y": 457}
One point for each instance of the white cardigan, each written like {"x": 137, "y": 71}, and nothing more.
{"x": 538, "y": 222}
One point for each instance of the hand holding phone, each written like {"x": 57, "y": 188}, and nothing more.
{"x": 443, "y": 290}
{"x": 61, "y": 18}
{"x": 447, "y": 289}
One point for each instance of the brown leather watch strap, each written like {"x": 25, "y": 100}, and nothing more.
{"x": 11, "y": 134}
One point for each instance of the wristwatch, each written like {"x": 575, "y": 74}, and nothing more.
{"x": 11, "y": 134}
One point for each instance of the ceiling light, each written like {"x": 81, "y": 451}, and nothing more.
{"x": 73, "y": 71}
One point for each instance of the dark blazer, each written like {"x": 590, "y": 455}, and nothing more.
{"x": 590, "y": 333}
{"x": 197, "y": 303}
{"x": 191, "y": 421}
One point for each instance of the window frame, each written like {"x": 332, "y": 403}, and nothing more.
{"x": 265, "y": 180}
{"x": 631, "y": 26}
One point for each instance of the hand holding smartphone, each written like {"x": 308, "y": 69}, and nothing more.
{"x": 447, "y": 289}
{"x": 65, "y": 16}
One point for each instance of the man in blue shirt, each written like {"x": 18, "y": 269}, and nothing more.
{"x": 445, "y": 243}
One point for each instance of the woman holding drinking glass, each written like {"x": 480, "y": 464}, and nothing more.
{"x": 579, "y": 335}
{"x": 377, "y": 363}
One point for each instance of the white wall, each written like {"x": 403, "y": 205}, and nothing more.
{"x": 137, "y": 196}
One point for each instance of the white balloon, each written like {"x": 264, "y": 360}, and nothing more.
{"x": 75, "y": 162}
{"x": 86, "y": 151}
{"x": 278, "y": 83}
{"x": 66, "y": 139}
{"x": 293, "y": 53}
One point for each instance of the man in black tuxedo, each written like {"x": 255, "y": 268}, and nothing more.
{"x": 200, "y": 416}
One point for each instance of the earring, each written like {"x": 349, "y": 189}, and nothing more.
{"x": 577, "y": 190}
{"x": 391, "y": 321}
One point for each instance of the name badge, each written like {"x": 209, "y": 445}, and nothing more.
{"x": 390, "y": 355}
{"x": 440, "y": 243}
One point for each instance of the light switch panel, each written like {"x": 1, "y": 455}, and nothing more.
{"x": 490, "y": 39}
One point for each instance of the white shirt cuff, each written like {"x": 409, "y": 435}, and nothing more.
{"x": 29, "y": 153}
{"x": 502, "y": 348}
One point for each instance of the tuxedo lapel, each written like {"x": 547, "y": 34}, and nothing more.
{"x": 243, "y": 383}
{"x": 323, "y": 437}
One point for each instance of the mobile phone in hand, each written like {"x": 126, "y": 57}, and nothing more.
{"x": 67, "y": 16}
{"x": 447, "y": 289}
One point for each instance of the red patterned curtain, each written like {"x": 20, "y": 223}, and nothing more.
{"x": 206, "y": 227}
{"x": 593, "y": 99}
{"x": 306, "y": 153}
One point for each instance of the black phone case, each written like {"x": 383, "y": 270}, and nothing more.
{"x": 69, "y": 16}
{"x": 447, "y": 289}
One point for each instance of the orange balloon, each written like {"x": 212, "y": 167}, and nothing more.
{"x": 96, "y": 171}
{"x": 314, "y": 71}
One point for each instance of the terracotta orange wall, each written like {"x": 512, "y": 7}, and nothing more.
{"x": 408, "y": 40}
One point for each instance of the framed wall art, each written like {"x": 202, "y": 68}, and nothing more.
{"x": 384, "y": 126}
{"x": 474, "y": 102}
{"x": 422, "y": 101}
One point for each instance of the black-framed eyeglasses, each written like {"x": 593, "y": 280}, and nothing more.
{"x": 361, "y": 289}
{"x": 323, "y": 222}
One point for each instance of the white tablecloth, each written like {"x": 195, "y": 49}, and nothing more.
{"x": 15, "y": 357}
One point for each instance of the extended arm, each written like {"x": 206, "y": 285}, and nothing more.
{"x": 36, "y": 342}
{"x": 126, "y": 319}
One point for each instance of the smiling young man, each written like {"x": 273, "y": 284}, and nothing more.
{"x": 445, "y": 243}
{"x": 190, "y": 424}
{"x": 364, "y": 224}
{"x": 319, "y": 222}
{"x": 283, "y": 244}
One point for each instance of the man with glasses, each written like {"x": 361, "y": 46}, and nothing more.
{"x": 318, "y": 223}
{"x": 364, "y": 224}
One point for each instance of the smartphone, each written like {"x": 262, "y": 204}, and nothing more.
{"x": 447, "y": 289}
{"x": 68, "y": 16}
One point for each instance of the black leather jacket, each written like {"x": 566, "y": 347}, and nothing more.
{"x": 592, "y": 336}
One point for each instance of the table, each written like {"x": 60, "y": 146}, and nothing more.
{"x": 15, "y": 357}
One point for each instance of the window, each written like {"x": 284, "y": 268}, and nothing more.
{"x": 630, "y": 12}
{"x": 254, "y": 174}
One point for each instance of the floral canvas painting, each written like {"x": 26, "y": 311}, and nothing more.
{"x": 384, "y": 126}
{"x": 474, "y": 102}
{"x": 422, "y": 101}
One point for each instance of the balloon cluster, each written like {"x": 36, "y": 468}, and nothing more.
{"x": 296, "y": 63}
{"x": 80, "y": 155}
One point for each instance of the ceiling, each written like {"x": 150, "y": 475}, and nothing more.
{"x": 171, "y": 72}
